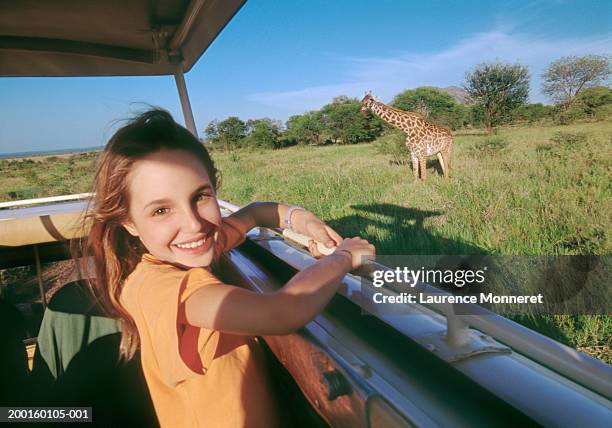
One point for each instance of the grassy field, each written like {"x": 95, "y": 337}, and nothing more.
{"x": 46, "y": 176}
{"x": 531, "y": 197}
{"x": 525, "y": 191}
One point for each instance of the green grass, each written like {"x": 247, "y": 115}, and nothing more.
{"x": 51, "y": 176}
{"x": 523, "y": 191}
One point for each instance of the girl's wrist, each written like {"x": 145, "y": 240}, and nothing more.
{"x": 345, "y": 255}
{"x": 300, "y": 218}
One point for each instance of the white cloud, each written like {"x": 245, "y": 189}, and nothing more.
{"x": 311, "y": 98}
{"x": 386, "y": 76}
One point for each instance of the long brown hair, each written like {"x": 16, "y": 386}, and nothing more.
{"x": 115, "y": 252}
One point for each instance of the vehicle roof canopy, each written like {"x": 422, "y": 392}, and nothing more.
{"x": 108, "y": 38}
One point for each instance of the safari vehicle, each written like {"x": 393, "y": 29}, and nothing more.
{"x": 352, "y": 366}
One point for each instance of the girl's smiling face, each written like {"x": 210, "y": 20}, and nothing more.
{"x": 173, "y": 208}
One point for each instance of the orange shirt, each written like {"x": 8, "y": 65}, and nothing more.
{"x": 197, "y": 377}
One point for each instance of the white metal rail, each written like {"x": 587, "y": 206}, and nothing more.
{"x": 46, "y": 200}
{"x": 577, "y": 366}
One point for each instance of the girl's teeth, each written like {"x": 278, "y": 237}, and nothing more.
{"x": 192, "y": 244}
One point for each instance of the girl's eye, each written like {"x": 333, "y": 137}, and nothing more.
{"x": 160, "y": 211}
{"x": 202, "y": 197}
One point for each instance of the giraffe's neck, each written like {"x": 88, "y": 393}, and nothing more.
{"x": 403, "y": 120}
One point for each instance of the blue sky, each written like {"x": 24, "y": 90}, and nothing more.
{"x": 279, "y": 58}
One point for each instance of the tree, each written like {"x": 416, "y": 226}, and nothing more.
{"x": 433, "y": 104}
{"x": 591, "y": 103}
{"x": 432, "y": 99}
{"x": 227, "y": 134}
{"x": 566, "y": 77}
{"x": 345, "y": 124}
{"x": 305, "y": 129}
{"x": 212, "y": 131}
{"x": 498, "y": 89}
{"x": 263, "y": 132}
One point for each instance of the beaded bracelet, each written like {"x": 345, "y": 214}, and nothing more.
{"x": 288, "y": 224}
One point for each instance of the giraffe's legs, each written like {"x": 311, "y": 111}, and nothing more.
{"x": 446, "y": 154}
{"x": 423, "y": 162}
{"x": 442, "y": 164}
{"x": 415, "y": 168}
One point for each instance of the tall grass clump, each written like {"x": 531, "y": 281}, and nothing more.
{"x": 492, "y": 146}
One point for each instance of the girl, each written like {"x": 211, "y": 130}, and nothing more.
{"x": 156, "y": 232}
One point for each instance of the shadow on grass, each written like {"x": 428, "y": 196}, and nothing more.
{"x": 432, "y": 163}
{"x": 394, "y": 229}
{"x": 435, "y": 164}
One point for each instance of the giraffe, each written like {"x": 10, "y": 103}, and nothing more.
{"x": 422, "y": 138}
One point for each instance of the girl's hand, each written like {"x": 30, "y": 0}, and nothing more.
{"x": 313, "y": 227}
{"x": 356, "y": 248}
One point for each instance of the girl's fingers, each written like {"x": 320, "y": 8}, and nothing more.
{"x": 337, "y": 239}
{"x": 312, "y": 247}
{"x": 322, "y": 235}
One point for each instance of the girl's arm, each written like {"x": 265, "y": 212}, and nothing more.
{"x": 272, "y": 214}
{"x": 236, "y": 310}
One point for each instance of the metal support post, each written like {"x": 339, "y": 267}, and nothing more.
{"x": 179, "y": 78}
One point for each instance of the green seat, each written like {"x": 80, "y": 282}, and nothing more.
{"x": 77, "y": 362}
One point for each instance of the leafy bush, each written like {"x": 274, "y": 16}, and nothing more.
{"x": 562, "y": 118}
{"x": 591, "y": 100}
{"x": 592, "y": 103}
{"x": 25, "y": 193}
{"x": 563, "y": 144}
{"x": 602, "y": 112}
{"x": 531, "y": 113}
{"x": 394, "y": 144}
{"x": 489, "y": 147}
{"x": 569, "y": 139}
{"x": 15, "y": 194}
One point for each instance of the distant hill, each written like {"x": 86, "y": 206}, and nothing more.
{"x": 49, "y": 152}
{"x": 457, "y": 93}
